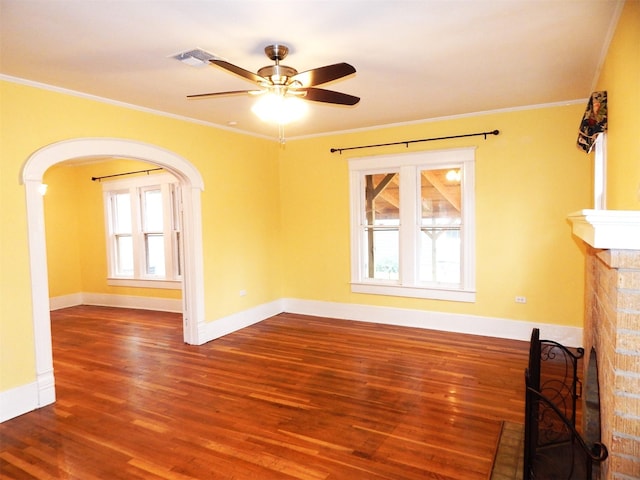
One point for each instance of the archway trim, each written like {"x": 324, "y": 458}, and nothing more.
{"x": 193, "y": 278}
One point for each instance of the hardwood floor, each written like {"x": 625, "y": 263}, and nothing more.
{"x": 293, "y": 397}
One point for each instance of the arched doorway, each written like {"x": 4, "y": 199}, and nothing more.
{"x": 193, "y": 275}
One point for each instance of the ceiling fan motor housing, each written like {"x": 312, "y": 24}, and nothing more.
{"x": 278, "y": 74}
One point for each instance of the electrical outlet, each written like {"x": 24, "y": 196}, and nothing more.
{"x": 243, "y": 293}
{"x": 521, "y": 299}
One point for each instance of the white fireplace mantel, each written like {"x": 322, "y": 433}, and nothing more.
{"x": 608, "y": 229}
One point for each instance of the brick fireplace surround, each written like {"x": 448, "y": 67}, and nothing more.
{"x": 612, "y": 329}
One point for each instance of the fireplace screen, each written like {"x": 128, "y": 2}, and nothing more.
{"x": 554, "y": 449}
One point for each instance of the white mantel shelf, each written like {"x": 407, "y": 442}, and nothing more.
{"x": 608, "y": 229}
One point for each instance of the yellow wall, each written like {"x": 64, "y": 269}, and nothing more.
{"x": 527, "y": 180}
{"x": 239, "y": 205}
{"x": 62, "y": 203}
{"x": 620, "y": 77}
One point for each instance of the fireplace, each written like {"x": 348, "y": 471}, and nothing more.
{"x": 612, "y": 335}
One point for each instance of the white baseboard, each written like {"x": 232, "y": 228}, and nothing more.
{"x": 131, "y": 301}
{"x": 65, "y": 301}
{"x": 237, "y": 321}
{"x": 26, "y": 398}
{"x": 448, "y": 322}
{"x": 18, "y": 401}
{"x": 46, "y": 388}
{"x": 110, "y": 300}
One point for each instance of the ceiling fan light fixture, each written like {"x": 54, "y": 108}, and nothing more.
{"x": 280, "y": 109}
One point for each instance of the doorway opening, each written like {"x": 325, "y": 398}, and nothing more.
{"x": 191, "y": 184}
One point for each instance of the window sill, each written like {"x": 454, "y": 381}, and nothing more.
{"x": 415, "y": 292}
{"x": 145, "y": 283}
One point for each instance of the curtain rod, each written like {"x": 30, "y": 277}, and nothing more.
{"x": 407, "y": 142}
{"x": 126, "y": 173}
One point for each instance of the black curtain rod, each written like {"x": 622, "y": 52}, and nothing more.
{"x": 126, "y": 173}
{"x": 407, "y": 142}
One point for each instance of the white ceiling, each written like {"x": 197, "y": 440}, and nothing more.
{"x": 415, "y": 60}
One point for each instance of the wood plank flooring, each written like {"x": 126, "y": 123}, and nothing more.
{"x": 293, "y": 397}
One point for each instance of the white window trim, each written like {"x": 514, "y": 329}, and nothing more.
{"x": 407, "y": 285}
{"x": 144, "y": 281}
{"x": 600, "y": 172}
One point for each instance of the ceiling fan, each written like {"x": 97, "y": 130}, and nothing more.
{"x": 287, "y": 82}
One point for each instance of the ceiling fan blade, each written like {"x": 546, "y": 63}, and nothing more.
{"x": 328, "y": 73}
{"x": 238, "y": 70}
{"x": 221, "y": 94}
{"x": 328, "y": 96}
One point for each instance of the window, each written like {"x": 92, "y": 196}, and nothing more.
{"x": 413, "y": 225}
{"x": 143, "y": 231}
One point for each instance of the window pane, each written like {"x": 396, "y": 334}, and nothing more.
{"x": 121, "y": 213}
{"x": 152, "y": 210}
{"x": 124, "y": 255}
{"x": 382, "y": 221}
{"x": 440, "y": 255}
{"x": 382, "y": 259}
{"x": 154, "y": 246}
{"x": 382, "y": 198}
{"x": 441, "y": 220}
{"x": 441, "y": 194}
